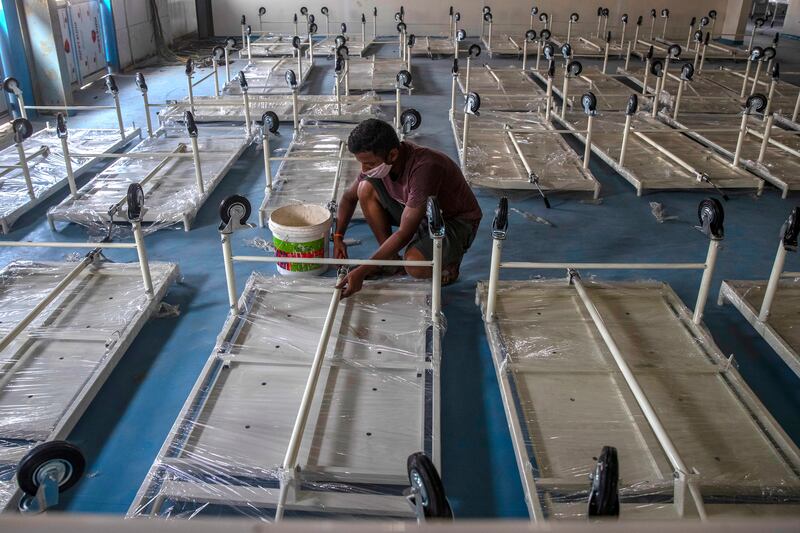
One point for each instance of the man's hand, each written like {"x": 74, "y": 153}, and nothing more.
{"x": 339, "y": 248}
{"x": 352, "y": 283}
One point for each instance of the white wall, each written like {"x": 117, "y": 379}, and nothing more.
{"x": 134, "y": 18}
{"x": 431, "y": 16}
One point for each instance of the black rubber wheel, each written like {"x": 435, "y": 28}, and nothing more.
{"x": 374, "y": 11}
{"x": 61, "y": 125}
{"x": 575, "y": 67}
{"x": 604, "y": 490}
{"x": 769, "y": 53}
{"x": 423, "y": 476}
{"x": 434, "y": 216}
{"x": 57, "y": 450}
{"x": 412, "y": 40}
{"x": 457, "y": 16}
{"x": 704, "y": 21}
{"x": 606, "y": 12}
{"x": 473, "y": 103}
{"x": 589, "y": 103}
{"x": 656, "y": 67}
{"x": 461, "y": 35}
{"x": 343, "y": 27}
{"x": 530, "y": 35}
{"x": 653, "y": 13}
{"x": 412, "y": 118}
{"x": 792, "y": 229}
{"x": 342, "y": 51}
{"x": 323, "y": 10}
{"x": 242, "y": 81}
{"x": 218, "y": 53}
{"x": 111, "y": 84}
{"x": 534, "y": 11}
{"x": 404, "y": 78}
{"x": 665, "y": 13}
{"x": 191, "y": 125}
{"x": 544, "y": 17}
{"x": 339, "y": 40}
{"x": 244, "y": 20}
{"x": 339, "y": 64}
{"x": 687, "y": 71}
{"x": 22, "y": 129}
{"x": 574, "y": 17}
{"x": 624, "y": 18}
{"x": 698, "y": 36}
{"x": 249, "y": 30}
{"x": 548, "y": 51}
{"x": 271, "y": 121}
{"x": 545, "y": 34}
{"x": 135, "y": 201}
{"x": 311, "y": 18}
{"x": 230, "y": 204}
{"x": 711, "y": 215}
{"x": 712, "y": 14}
{"x": 639, "y": 21}
{"x": 304, "y": 11}
{"x": 487, "y": 9}
{"x": 759, "y": 22}
{"x": 454, "y": 70}
{"x": 262, "y": 11}
{"x": 401, "y": 27}
{"x": 756, "y": 102}
{"x": 474, "y": 50}
{"x": 650, "y": 52}
{"x": 312, "y": 28}
{"x": 291, "y": 78}
{"x": 10, "y": 84}
{"x": 756, "y": 53}
{"x": 230, "y": 42}
{"x": 566, "y": 50}
{"x": 398, "y": 17}
{"x": 633, "y": 105}
{"x": 487, "y": 17}
{"x": 189, "y": 70}
{"x": 296, "y": 42}
{"x": 674, "y": 51}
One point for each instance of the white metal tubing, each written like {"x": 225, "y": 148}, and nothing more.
{"x": 464, "y": 142}
{"x": 745, "y": 79}
{"x": 549, "y": 99}
{"x": 635, "y": 38}
{"x": 119, "y": 116}
{"x": 249, "y": 50}
{"x": 73, "y": 187}
{"x": 705, "y": 282}
{"x": 689, "y": 38}
{"x": 436, "y": 281}
{"x": 678, "y": 97}
{"x": 755, "y": 76}
{"x": 587, "y": 151}
{"x": 311, "y": 51}
{"x": 605, "y": 57}
{"x": 44, "y": 244}
{"x": 796, "y": 108}
{"x": 696, "y": 56}
{"x": 248, "y": 122}
{"x": 664, "y": 75}
{"x": 667, "y": 153}
{"x": 300, "y": 76}
{"x": 147, "y": 118}
{"x": 9, "y": 337}
{"x": 752, "y": 37}
{"x": 230, "y": 275}
{"x": 198, "y": 172}
{"x": 331, "y": 261}
{"x": 765, "y": 138}
{"x": 453, "y": 97}
{"x": 770, "y": 96}
{"x": 664, "y": 30}
{"x": 295, "y": 113}
{"x": 772, "y": 284}
{"x": 337, "y": 177}
{"x": 628, "y": 56}
{"x": 599, "y": 20}
{"x": 397, "y": 109}
{"x": 227, "y": 67}
{"x": 569, "y": 30}
{"x": 364, "y": 33}
{"x": 522, "y": 157}
{"x": 625, "y": 134}
{"x": 267, "y": 168}
{"x": 622, "y": 38}
{"x": 602, "y": 266}
{"x": 466, "y": 76}
{"x": 191, "y": 93}
{"x": 69, "y": 107}
{"x": 641, "y": 398}
{"x": 494, "y": 275}
{"x": 773, "y": 142}
{"x": 656, "y": 95}
{"x": 489, "y": 45}
{"x": 346, "y": 77}
{"x": 564, "y": 95}
{"x": 740, "y": 139}
{"x": 646, "y": 76}
{"x": 21, "y": 102}
{"x": 702, "y": 58}
{"x": 26, "y": 172}
{"x": 141, "y": 252}
{"x": 652, "y": 26}
{"x": 216, "y": 76}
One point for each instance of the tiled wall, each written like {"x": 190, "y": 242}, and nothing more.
{"x": 178, "y": 18}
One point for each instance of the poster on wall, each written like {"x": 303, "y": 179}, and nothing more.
{"x": 82, "y": 32}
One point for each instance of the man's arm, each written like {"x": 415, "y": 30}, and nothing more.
{"x": 409, "y": 222}
{"x": 344, "y": 214}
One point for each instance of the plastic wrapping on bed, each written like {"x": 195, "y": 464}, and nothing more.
{"x": 375, "y": 404}
{"x": 171, "y": 195}
{"x": 569, "y": 399}
{"x": 49, "y": 371}
{"x": 266, "y": 76}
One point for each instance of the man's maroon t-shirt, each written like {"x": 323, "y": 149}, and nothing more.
{"x": 423, "y": 172}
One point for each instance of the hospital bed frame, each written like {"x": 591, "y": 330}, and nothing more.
{"x": 48, "y": 349}
{"x": 291, "y": 485}
{"x": 770, "y": 305}
{"x": 680, "y": 484}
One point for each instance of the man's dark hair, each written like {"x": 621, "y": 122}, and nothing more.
{"x": 373, "y": 135}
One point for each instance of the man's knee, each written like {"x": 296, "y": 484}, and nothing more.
{"x": 366, "y": 192}
{"x": 413, "y": 254}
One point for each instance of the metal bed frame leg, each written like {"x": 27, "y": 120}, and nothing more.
{"x": 766, "y": 136}
{"x": 628, "y": 56}
{"x": 703, "y": 55}
{"x": 498, "y": 236}
{"x": 295, "y": 115}
{"x": 227, "y": 65}
{"x": 656, "y": 95}
{"x": 756, "y": 76}
{"x": 190, "y": 89}
{"x": 141, "y": 252}
{"x": 464, "y": 142}
{"x": 267, "y": 167}
{"x": 248, "y": 121}
{"x": 147, "y": 118}
{"x": 627, "y": 129}
{"x": 26, "y": 171}
{"x": 230, "y": 274}
{"x": 796, "y": 108}
{"x": 745, "y": 79}
{"x": 21, "y": 103}
{"x": 61, "y": 131}
{"x": 605, "y": 53}
{"x": 215, "y": 63}
{"x": 549, "y": 97}
{"x": 772, "y": 284}
{"x": 198, "y": 171}
{"x": 646, "y": 76}
{"x": 705, "y": 282}
{"x": 564, "y": 94}
{"x": 453, "y": 90}
{"x": 678, "y": 99}
{"x": 740, "y": 140}
{"x": 121, "y": 124}
{"x": 587, "y": 152}
{"x": 636, "y": 34}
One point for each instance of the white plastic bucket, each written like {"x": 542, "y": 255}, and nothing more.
{"x": 300, "y": 230}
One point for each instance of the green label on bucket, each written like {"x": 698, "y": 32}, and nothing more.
{"x": 299, "y": 249}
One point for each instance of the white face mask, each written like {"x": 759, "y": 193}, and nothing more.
{"x": 379, "y": 172}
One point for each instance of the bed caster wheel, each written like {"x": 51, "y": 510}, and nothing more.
{"x": 47, "y": 470}
{"x": 323, "y": 10}
{"x": 473, "y": 104}
{"x": 461, "y": 35}
{"x": 410, "y": 120}
{"x": 242, "y": 81}
{"x": 674, "y": 51}
{"x": 404, "y": 79}
{"x": 500, "y": 222}
{"x": 545, "y": 34}
{"x": 604, "y": 490}
{"x": 218, "y": 53}
{"x": 769, "y": 53}
{"x": 574, "y": 17}
{"x": 262, "y": 11}
{"x": 487, "y": 17}
{"x": 111, "y": 85}
{"x": 22, "y": 128}
{"x": 791, "y": 229}
{"x": 304, "y": 11}
{"x": 401, "y": 27}
{"x": 426, "y": 494}
{"x": 61, "y": 126}
{"x": 656, "y": 68}
{"x": 230, "y": 42}
{"x": 342, "y": 52}
{"x": 135, "y": 201}
{"x": 530, "y": 35}
{"x": 589, "y": 104}
{"x": 291, "y": 79}
{"x": 548, "y": 51}
{"x": 566, "y": 51}
{"x": 11, "y": 85}
{"x": 474, "y": 50}
{"x": 271, "y": 121}
{"x": 312, "y": 28}
{"x": 755, "y": 103}
{"x": 191, "y": 124}
{"x": 632, "y": 105}
{"x": 234, "y": 212}
{"x": 711, "y": 216}
{"x": 574, "y": 68}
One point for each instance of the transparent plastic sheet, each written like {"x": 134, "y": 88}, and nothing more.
{"x": 612, "y": 94}
{"x": 376, "y": 402}
{"x": 373, "y": 74}
{"x": 355, "y": 46}
{"x": 48, "y": 170}
{"x": 648, "y": 167}
{"x": 568, "y": 399}
{"x": 266, "y": 76}
{"x": 51, "y": 371}
{"x": 592, "y": 46}
{"x": 779, "y": 167}
{"x": 313, "y": 181}
{"x": 320, "y": 107}
{"x": 502, "y": 89}
{"x": 433, "y": 45}
{"x": 492, "y": 160}
{"x": 273, "y": 44}
{"x": 171, "y": 194}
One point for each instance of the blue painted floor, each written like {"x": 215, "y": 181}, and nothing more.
{"x": 125, "y": 426}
